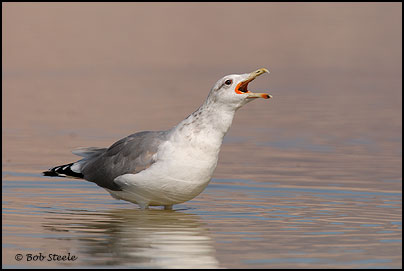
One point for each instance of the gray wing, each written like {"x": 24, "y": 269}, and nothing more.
{"x": 131, "y": 154}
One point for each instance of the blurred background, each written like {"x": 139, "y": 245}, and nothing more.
{"x": 88, "y": 74}
{"x": 116, "y": 68}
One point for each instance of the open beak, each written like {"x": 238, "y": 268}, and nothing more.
{"x": 241, "y": 88}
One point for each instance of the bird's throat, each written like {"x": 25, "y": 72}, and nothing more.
{"x": 207, "y": 124}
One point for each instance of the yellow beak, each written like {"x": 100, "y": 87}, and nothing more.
{"x": 241, "y": 88}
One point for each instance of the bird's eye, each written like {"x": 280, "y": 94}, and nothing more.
{"x": 228, "y": 82}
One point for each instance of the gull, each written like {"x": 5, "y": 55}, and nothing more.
{"x": 163, "y": 168}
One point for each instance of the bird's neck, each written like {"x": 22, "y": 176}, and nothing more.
{"x": 209, "y": 124}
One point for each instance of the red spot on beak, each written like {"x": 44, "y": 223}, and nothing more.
{"x": 265, "y": 96}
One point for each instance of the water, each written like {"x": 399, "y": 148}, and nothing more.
{"x": 309, "y": 179}
{"x": 264, "y": 224}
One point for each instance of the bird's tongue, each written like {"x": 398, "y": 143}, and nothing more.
{"x": 242, "y": 89}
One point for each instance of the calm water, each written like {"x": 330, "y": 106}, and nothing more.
{"x": 309, "y": 179}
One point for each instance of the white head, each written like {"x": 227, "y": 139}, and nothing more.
{"x": 232, "y": 90}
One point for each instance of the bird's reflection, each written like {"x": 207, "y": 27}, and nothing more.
{"x": 139, "y": 238}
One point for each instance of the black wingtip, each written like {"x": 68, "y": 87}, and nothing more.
{"x": 50, "y": 173}
{"x": 63, "y": 171}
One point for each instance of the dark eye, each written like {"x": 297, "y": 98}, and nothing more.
{"x": 228, "y": 82}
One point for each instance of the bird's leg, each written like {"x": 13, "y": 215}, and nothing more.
{"x": 143, "y": 206}
{"x": 168, "y": 207}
